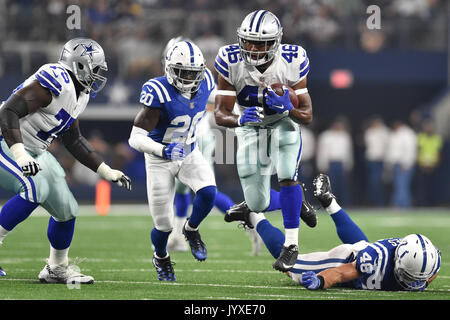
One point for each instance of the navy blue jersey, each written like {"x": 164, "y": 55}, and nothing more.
{"x": 376, "y": 265}
{"x": 179, "y": 116}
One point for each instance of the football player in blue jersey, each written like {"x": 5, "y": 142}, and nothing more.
{"x": 395, "y": 264}
{"x": 44, "y": 107}
{"x": 182, "y": 200}
{"x": 165, "y": 131}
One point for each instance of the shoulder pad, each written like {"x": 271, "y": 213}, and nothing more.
{"x": 154, "y": 93}
{"x": 227, "y": 56}
{"x": 209, "y": 79}
{"x": 296, "y": 57}
{"x": 53, "y": 77}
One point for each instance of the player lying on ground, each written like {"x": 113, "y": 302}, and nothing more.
{"x": 44, "y": 107}
{"x": 394, "y": 264}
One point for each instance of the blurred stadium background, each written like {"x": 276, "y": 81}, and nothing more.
{"x": 397, "y": 73}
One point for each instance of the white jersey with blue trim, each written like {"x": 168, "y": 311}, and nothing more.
{"x": 179, "y": 115}
{"x": 376, "y": 265}
{"x": 38, "y": 129}
{"x": 289, "y": 66}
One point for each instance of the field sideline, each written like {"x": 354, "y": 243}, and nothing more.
{"x": 116, "y": 250}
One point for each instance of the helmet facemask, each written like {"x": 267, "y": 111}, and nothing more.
{"x": 258, "y": 57}
{"x": 91, "y": 78}
{"x": 186, "y": 79}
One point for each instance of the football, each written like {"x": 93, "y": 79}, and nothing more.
{"x": 278, "y": 88}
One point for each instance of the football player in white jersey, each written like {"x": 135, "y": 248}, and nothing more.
{"x": 165, "y": 131}
{"x": 267, "y": 121}
{"x": 44, "y": 107}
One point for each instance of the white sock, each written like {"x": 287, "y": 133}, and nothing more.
{"x": 58, "y": 257}
{"x": 156, "y": 256}
{"x": 333, "y": 207}
{"x": 291, "y": 237}
{"x": 178, "y": 225}
{"x": 256, "y": 218}
{"x": 189, "y": 228}
{"x": 3, "y": 233}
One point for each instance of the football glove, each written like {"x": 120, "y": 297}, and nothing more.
{"x": 279, "y": 104}
{"x": 28, "y": 165}
{"x": 251, "y": 116}
{"x": 116, "y": 176}
{"x": 174, "y": 151}
{"x": 311, "y": 281}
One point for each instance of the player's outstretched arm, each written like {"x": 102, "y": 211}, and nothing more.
{"x": 25, "y": 101}
{"x": 303, "y": 114}
{"x": 330, "y": 277}
{"x": 224, "y": 104}
{"x": 81, "y": 149}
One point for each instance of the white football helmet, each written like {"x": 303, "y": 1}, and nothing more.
{"x": 169, "y": 45}
{"x": 259, "y": 26}
{"x": 416, "y": 261}
{"x": 185, "y": 66}
{"x": 85, "y": 58}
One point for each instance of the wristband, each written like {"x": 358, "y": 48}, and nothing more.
{"x": 321, "y": 282}
{"x": 18, "y": 150}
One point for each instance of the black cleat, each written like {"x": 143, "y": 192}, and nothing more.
{"x": 287, "y": 258}
{"x": 2, "y": 272}
{"x": 322, "y": 190}
{"x": 164, "y": 269}
{"x": 239, "y": 212}
{"x": 308, "y": 213}
{"x": 198, "y": 247}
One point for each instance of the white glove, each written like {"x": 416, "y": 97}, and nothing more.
{"x": 28, "y": 165}
{"x": 115, "y": 176}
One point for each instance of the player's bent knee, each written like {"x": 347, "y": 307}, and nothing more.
{"x": 257, "y": 205}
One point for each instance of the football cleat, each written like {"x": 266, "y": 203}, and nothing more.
{"x": 239, "y": 212}
{"x": 177, "y": 243}
{"x": 63, "y": 274}
{"x": 287, "y": 258}
{"x": 2, "y": 272}
{"x": 308, "y": 213}
{"x": 257, "y": 242}
{"x": 164, "y": 268}
{"x": 198, "y": 247}
{"x": 322, "y": 190}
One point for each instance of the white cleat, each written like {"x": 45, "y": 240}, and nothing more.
{"x": 177, "y": 243}
{"x": 64, "y": 274}
{"x": 257, "y": 242}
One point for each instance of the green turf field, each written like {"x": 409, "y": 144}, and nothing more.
{"x": 117, "y": 253}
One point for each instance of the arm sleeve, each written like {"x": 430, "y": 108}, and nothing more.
{"x": 140, "y": 141}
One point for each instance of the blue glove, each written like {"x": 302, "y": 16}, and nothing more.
{"x": 250, "y": 116}
{"x": 174, "y": 151}
{"x": 279, "y": 104}
{"x": 311, "y": 281}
